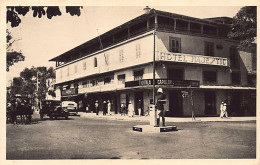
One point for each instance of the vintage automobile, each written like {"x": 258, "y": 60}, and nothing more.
{"x": 53, "y": 109}
{"x": 70, "y": 106}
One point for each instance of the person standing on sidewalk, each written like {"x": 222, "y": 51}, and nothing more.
{"x": 159, "y": 106}
{"x": 130, "y": 109}
{"x": 139, "y": 107}
{"x": 104, "y": 108}
{"x": 223, "y": 109}
{"x": 108, "y": 107}
{"x": 96, "y": 107}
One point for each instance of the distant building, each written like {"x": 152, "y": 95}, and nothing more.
{"x": 190, "y": 53}
{"x": 51, "y": 93}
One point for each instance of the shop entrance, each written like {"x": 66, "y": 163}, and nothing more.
{"x": 175, "y": 104}
{"x": 235, "y": 102}
{"x": 210, "y": 103}
{"x": 138, "y": 96}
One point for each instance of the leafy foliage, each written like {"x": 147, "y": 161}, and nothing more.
{"x": 12, "y": 56}
{"x": 13, "y": 12}
{"x": 244, "y": 26}
{"x": 27, "y": 86}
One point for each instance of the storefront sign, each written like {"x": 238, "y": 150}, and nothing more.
{"x": 67, "y": 92}
{"x": 190, "y": 58}
{"x": 163, "y": 82}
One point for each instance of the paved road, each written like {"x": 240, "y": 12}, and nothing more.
{"x": 81, "y": 138}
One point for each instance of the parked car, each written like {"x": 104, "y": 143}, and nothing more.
{"x": 53, "y": 109}
{"x": 70, "y": 106}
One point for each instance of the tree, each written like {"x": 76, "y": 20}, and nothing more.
{"x": 12, "y": 56}
{"x": 13, "y": 13}
{"x": 244, "y": 26}
{"x": 32, "y": 83}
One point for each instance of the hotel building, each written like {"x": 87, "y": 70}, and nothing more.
{"x": 189, "y": 55}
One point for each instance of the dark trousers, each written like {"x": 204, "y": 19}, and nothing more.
{"x": 161, "y": 114}
{"x": 97, "y": 110}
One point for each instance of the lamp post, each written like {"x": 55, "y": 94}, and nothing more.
{"x": 153, "y": 116}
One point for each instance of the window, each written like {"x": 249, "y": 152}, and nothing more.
{"x": 85, "y": 84}
{"x": 234, "y": 60}
{"x": 107, "y": 80}
{"x": 75, "y": 68}
{"x": 235, "y": 78}
{"x": 209, "y": 49}
{"x": 106, "y": 56}
{"x": 138, "y": 50}
{"x": 175, "y": 74}
{"x": 68, "y": 71}
{"x": 95, "y": 61}
{"x": 84, "y": 65}
{"x": 60, "y": 73}
{"x": 175, "y": 45}
{"x": 138, "y": 75}
{"x": 94, "y": 82}
{"x": 209, "y": 77}
{"x": 121, "y": 79}
{"x": 121, "y": 55}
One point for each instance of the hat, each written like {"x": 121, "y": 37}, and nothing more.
{"x": 225, "y": 103}
{"x": 108, "y": 101}
{"x": 160, "y": 90}
{"x": 130, "y": 102}
{"x": 96, "y": 101}
{"x": 222, "y": 102}
{"x": 104, "y": 102}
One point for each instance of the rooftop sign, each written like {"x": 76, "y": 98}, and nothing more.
{"x": 191, "y": 58}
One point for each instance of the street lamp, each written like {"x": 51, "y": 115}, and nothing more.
{"x": 153, "y": 116}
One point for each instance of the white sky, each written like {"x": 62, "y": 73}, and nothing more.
{"x": 43, "y": 39}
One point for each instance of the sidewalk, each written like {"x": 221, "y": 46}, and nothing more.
{"x": 168, "y": 119}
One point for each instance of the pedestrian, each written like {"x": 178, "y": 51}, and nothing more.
{"x": 123, "y": 109}
{"x": 96, "y": 107}
{"x": 130, "y": 109}
{"x": 160, "y": 108}
{"x": 225, "y": 110}
{"x": 139, "y": 107}
{"x": 108, "y": 107}
{"x": 221, "y": 109}
{"x": 104, "y": 107}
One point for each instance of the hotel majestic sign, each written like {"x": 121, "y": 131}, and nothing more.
{"x": 191, "y": 58}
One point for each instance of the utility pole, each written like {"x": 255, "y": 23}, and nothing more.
{"x": 153, "y": 116}
{"x": 37, "y": 89}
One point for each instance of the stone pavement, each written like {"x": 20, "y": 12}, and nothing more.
{"x": 168, "y": 119}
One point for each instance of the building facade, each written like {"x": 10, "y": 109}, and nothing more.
{"x": 188, "y": 56}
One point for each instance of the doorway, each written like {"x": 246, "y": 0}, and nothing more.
{"x": 175, "y": 104}
{"x": 138, "y": 96}
{"x": 210, "y": 103}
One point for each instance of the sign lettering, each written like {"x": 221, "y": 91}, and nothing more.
{"x": 163, "y": 83}
{"x": 190, "y": 58}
